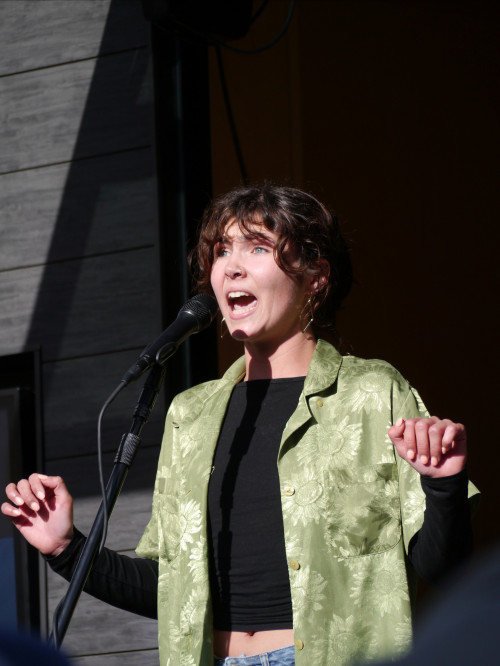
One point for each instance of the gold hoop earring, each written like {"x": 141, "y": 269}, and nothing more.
{"x": 223, "y": 332}
{"x": 311, "y": 318}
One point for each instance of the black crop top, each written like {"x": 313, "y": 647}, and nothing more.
{"x": 248, "y": 571}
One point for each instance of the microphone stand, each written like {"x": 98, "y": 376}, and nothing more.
{"x": 123, "y": 461}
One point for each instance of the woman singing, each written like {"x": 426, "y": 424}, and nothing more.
{"x": 297, "y": 496}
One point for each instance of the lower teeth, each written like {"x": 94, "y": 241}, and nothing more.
{"x": 243, "y": 308}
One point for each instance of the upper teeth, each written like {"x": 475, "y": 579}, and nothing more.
{"x": 237, "y": 294}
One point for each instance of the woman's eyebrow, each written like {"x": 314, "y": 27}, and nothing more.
{"x": 261, "y": 238}
{"x": 248, "y": 237}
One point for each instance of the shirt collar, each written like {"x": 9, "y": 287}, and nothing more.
{"x": 324, "y": 368}
{"x": 322, "y": 373}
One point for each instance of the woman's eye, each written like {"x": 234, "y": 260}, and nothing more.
{"x": 221, "y": 251}
{"x": 259, "y": 249}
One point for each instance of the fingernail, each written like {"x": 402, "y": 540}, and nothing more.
{"x": 43, "y": 476}
{"x": 16, "y": 512}
{"x": 40, "y": 494}
{"x": 411, "y": 454}
{"x": 399, "y": 421}
{"x": 34, "y": 506}
{"x": 424, "y": 460}
{"x": 434, "y": 461}
{"x": 18, "y": 500}
{"x": 443, "y": 450}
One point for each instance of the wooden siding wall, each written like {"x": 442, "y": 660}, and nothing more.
{"x": 79, "y": 259}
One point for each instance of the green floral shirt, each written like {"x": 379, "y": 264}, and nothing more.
{"x": 350, "y": 507}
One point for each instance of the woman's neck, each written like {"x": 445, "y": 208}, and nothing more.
{"x": 289, "y": 359}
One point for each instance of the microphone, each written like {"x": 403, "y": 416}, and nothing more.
{"x": 194, "y": 316}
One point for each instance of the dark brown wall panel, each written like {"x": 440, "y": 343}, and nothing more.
{"x": 399, "y": 133}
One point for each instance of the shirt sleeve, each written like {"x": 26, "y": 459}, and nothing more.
{"x": 124, "y": 582}
{"x": 445, "y": 539}
{"x": 415, "y": 493}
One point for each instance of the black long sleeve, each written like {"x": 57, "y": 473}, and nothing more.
{"x": 128, "y": 583}
{"x": 445, "y": 539}
{"x": 442, "y": 543}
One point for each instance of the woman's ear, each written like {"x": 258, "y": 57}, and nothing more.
{"x": 320, "y": 275}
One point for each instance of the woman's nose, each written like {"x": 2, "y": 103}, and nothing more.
{"x": 235, "y": 269}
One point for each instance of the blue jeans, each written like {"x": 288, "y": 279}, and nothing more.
{"x": 282, "y": 657}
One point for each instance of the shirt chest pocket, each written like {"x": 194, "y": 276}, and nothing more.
{"x": 363, "y": 513}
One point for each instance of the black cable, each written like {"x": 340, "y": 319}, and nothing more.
{"x": 222, "y": 76}
{"x": 55, "y": 638}
{"x": 227, "y": 102}
{"x": 273, "y": 41}
{"x": 230, "y": 117}
{"x": 211, "y": 41}
{"x": 259, "y": 11}
{"x": 102, "y": 485}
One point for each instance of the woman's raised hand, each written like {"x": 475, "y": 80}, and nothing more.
{"x": 42, "y": 510}
{"x": 434, "y": 447}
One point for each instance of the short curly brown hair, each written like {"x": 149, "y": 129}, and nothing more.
{"x": 301, "y": 222}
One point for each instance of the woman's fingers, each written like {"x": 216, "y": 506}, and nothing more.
{"x": 31, "y": 491}
{"x": 454, "y": 433}
{"x": 13, "y": 494}
{"x": 410, "y": 440}
{"x": 436, "y": 432}
{"x": 427, "y": 440}
{"x": 36, "y": 483}
{"x": 9, "y": 510}
{"x": 26, "y": 493}
{"x": 428, "y": 435}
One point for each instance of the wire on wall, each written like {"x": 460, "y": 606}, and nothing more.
{"x": 230, "y": 117}
{"x": 223, "y": 82}
{"x": 269, "y": 44}
{"x": 218, "y": 44}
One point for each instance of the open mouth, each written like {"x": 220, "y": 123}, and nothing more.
{"x": 241, "y": 302}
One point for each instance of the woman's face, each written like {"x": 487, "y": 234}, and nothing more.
{"x": 259, "y": 301}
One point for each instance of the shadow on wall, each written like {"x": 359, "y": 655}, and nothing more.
{"x": 104, "y": 228}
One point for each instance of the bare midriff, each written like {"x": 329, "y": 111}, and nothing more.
{"x": 236, "y": 643}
